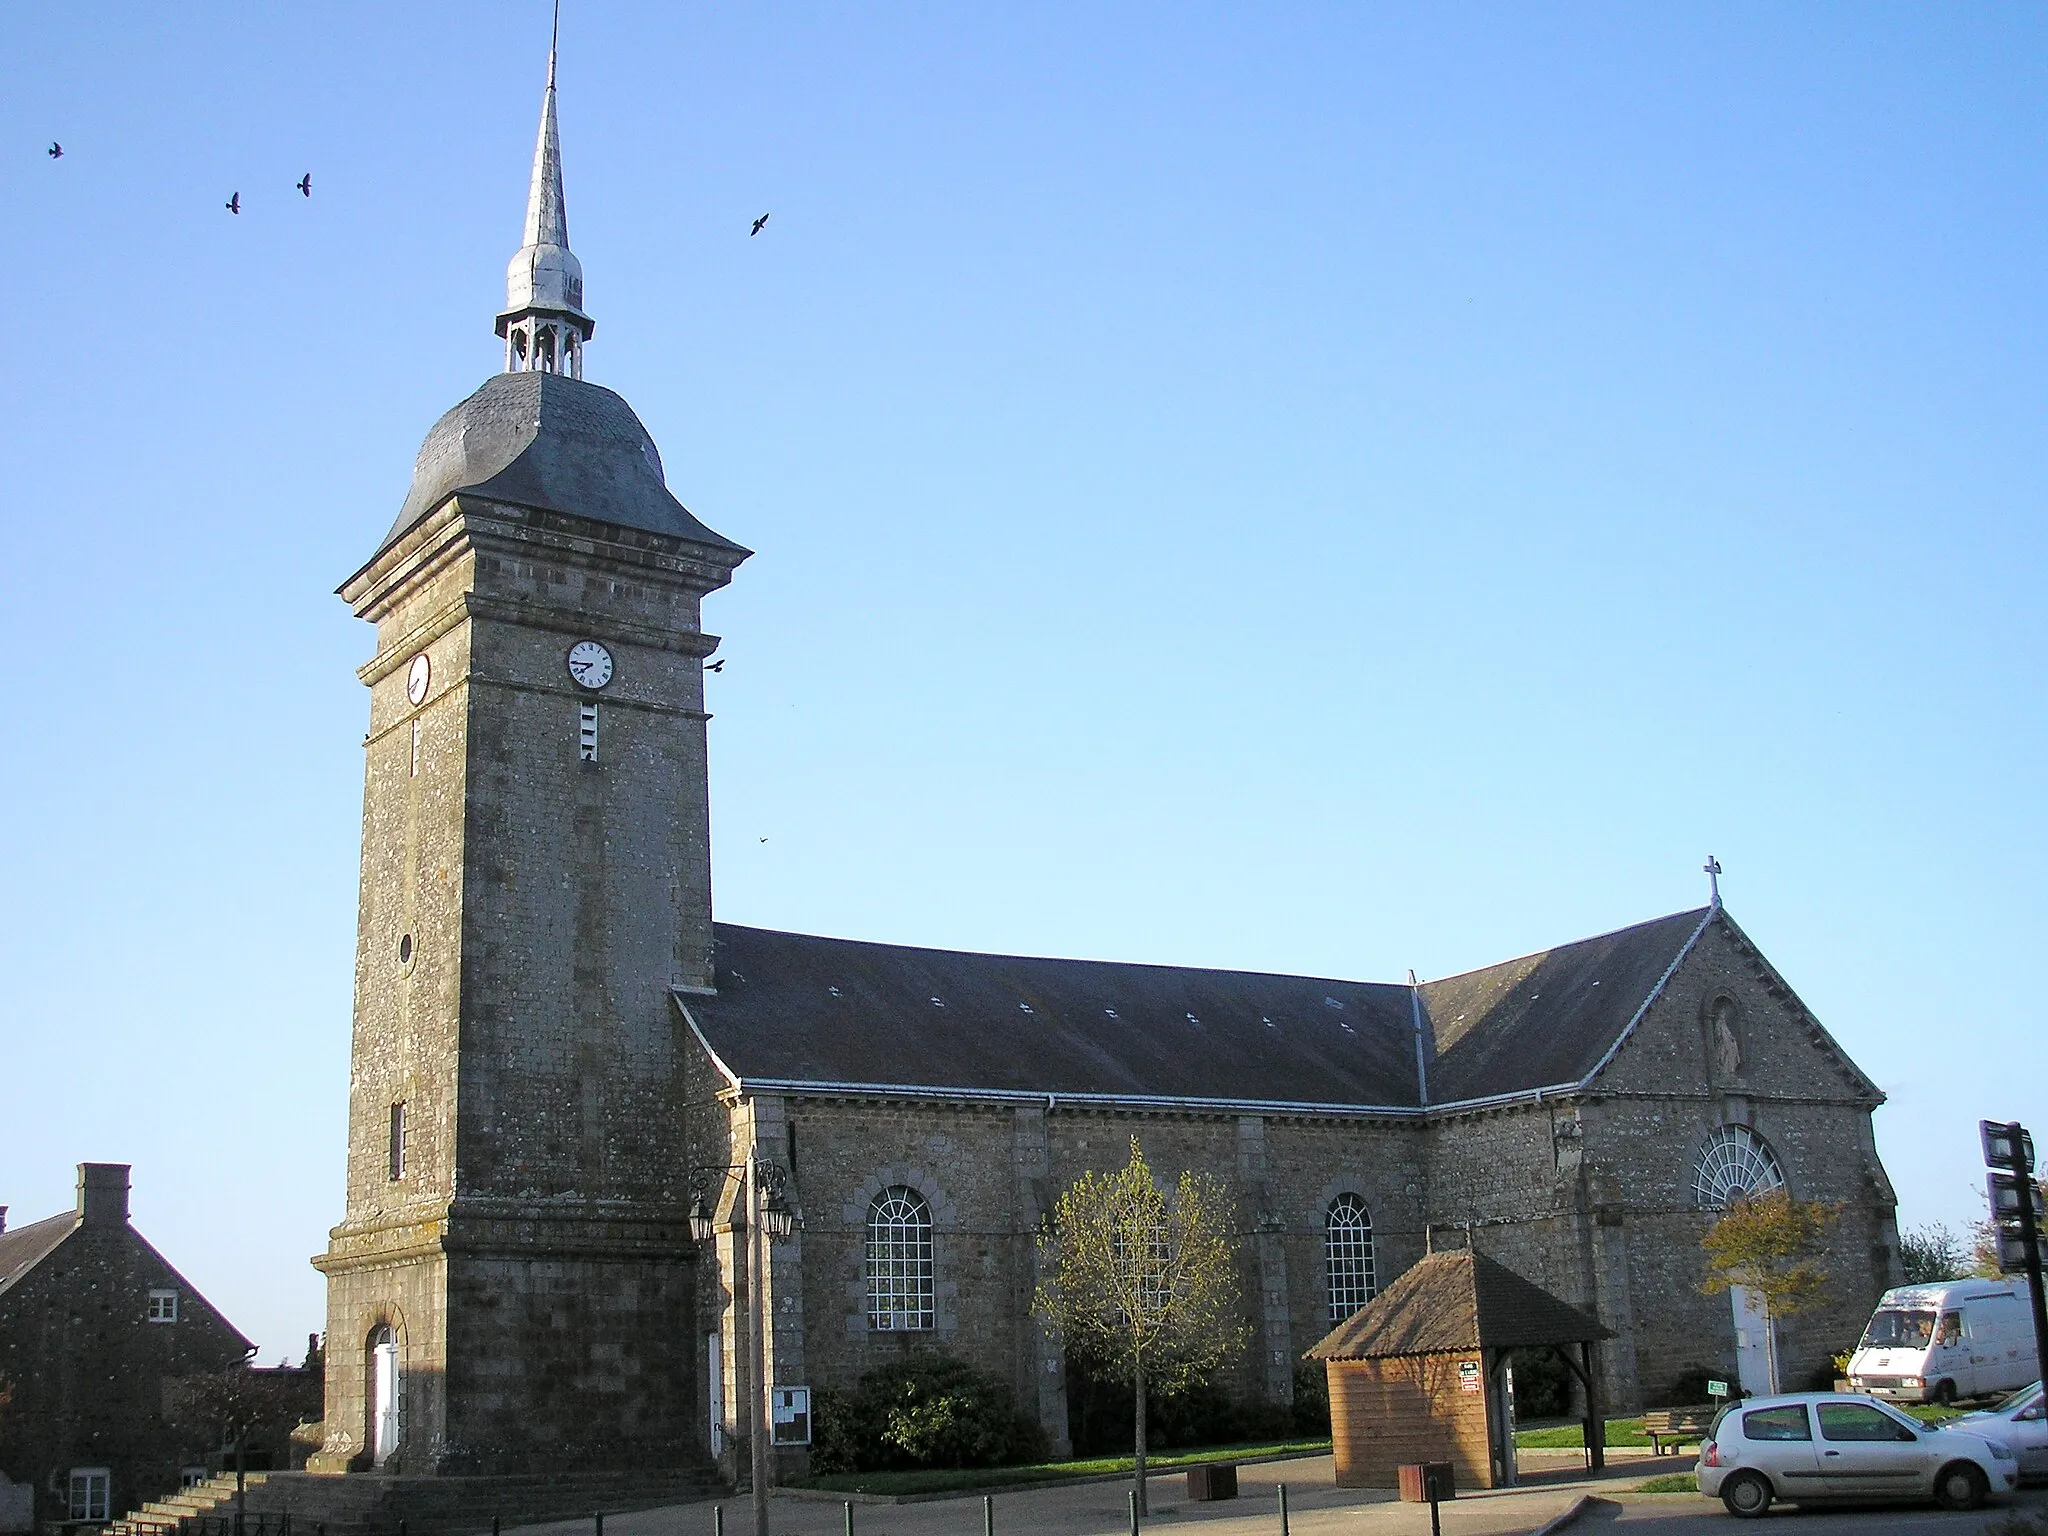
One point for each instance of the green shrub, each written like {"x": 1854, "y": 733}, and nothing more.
{"x": 1543, "y": 1384}
{"x": 1311, "y": 1398}
{"x": 1689, "y": 1388}
{"x": 927, "y": 1409}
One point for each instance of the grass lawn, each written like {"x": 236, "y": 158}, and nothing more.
{"x": 1571, "y": 1437}
{"x": 972, "y": 1479}
{"x": 1671, "y": 1482}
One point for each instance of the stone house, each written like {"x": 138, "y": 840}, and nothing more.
{"x": 558, "y": 1053}
{"x": 96, "y": 1329}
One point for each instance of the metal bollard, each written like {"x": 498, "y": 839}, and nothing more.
{"x": 988, "y": 1514}
{"x": 1133, "y": 1497}
{"x": 1283, "y": 1509}
{"x": 718, "y": 1520}
{"x": 598, "y": 1520}
{"x": 849, "y": 1517}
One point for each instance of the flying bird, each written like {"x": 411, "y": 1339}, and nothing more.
{"x": 56, "y": 150}
{"x": 306, "y": 185}
{"x": 233, "y": 204}
{"x": 716, "y": 666}
{"x": 757, "y": 226}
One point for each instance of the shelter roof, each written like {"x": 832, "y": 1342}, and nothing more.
{"x": 1451, "y": 1303}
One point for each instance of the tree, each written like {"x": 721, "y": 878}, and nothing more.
{"x": 1933, "y": 1253}
{"x": 1143, "y": 1283}
{"x": 234, "y": 1404}
{"x": 1770, "y": 1245}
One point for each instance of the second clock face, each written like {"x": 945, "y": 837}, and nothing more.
{"x": 417, "y": 677}
{"x": 590, "y": 664}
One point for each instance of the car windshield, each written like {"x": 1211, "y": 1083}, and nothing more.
{"x": 1899, "y": 1330}
{"x": 2019, "y": 1399}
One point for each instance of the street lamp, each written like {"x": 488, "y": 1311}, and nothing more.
{"x": 768, "y": 1218}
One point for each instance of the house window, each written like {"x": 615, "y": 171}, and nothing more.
{"x": 1733, "y": 1162}
{"x": 396, "y": 1148}
{"x": 1347, "y": 1256}
{"x": 91, "y": 1488}
{"x": 586, "y": 732}
{"x": 163, "y": 1306}
{"x": 899, "y": 1261}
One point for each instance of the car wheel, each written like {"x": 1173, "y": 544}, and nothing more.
{"x": 1960, "y": 1486}
{"x": 1747, "y": 1495}
{"x": 1945, "y": 1393}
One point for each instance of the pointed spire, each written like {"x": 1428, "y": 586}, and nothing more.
{"x": 547, "y": 217}
{"x": 544, "y": 325}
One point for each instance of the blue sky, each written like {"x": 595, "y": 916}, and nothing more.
{"x": 1289, "y": 487}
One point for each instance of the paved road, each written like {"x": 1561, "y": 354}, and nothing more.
{"x": 1675, "y": 1515}
{"x": 1316, "y": 1508}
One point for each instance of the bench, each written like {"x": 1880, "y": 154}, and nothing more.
{"x": 1676, "y": 1426}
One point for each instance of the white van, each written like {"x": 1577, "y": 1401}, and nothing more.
{"x": 1936, "y": 1343}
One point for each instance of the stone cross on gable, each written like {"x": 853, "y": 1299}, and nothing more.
{"x": 1713, "y": 872}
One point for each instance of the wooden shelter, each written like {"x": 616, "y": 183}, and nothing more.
{"x": 1420, "y": 1372}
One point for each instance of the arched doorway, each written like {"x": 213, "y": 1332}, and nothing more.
{"x": 384, "y": 1394}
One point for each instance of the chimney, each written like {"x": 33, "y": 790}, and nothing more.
{"x": 103, "y": 1193}
{"x": 3, "y": 1218}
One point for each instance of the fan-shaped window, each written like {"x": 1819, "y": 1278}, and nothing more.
{"x": 1733, "y": 1162}
{"x": 899, "y": 1260}
{"x": 1347, "y": 1256}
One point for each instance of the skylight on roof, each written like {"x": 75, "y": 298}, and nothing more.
{"x": 937, "y": 1001}
{"x": 1025, "y": 1006}
{"x": 1110, "y": 1011}
{"x": 833, "y": 990}
{"x": 1193, "y": 1020}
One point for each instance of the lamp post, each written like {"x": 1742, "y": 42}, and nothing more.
{"x": 768, "y": 1217}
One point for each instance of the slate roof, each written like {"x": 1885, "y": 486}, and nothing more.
{"x": 548, "y": 441}
{"x": 1547, "y": 1018}
{"x": 793, "y": 1009}
{"x": 22, "y": 1249}
{"x": 1453, "y": 1303}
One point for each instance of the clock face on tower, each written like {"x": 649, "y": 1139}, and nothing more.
{"x": 590, "y": 664}
{"x": 417, "y": 677}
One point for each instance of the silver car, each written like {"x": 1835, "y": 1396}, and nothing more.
{"x": 2021, "y": 1422}
{"x": 1811, "y": 1446}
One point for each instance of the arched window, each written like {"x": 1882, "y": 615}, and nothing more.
{"x": 1347, "y": 1256}
{"x": 899, "y": 1260}
{"x": 1733, "y": 1161}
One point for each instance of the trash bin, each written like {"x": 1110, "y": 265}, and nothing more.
{"x": 1417, "y": 1476}
{"x": 1212, "y": 1480}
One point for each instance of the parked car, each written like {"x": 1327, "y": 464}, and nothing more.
{"x": 1936, "y": 1343}
{"x": 1807, "y": 1447}
{"x": 2021, "y": 1421}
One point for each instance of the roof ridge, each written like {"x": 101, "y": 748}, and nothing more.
{"x": 1131, "y": 965}
{"x": 1213, "y": 970}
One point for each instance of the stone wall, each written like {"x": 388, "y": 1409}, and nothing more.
{"x": 525, "y": 912}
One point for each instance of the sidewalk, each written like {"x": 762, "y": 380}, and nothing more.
{"x": 1316, "y": 1507}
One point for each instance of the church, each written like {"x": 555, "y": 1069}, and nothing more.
{"x": 566, "y": 1072}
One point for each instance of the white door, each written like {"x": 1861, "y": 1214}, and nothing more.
{"x": 1752, "y": 1341}
{"x": 714, "y": 1378}
{"x": 384, "y": 1400}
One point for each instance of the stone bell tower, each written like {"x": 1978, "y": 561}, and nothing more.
{"x": 510, "y": 1287}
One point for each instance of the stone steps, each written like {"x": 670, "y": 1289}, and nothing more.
{"x": 370, "y": 1504}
